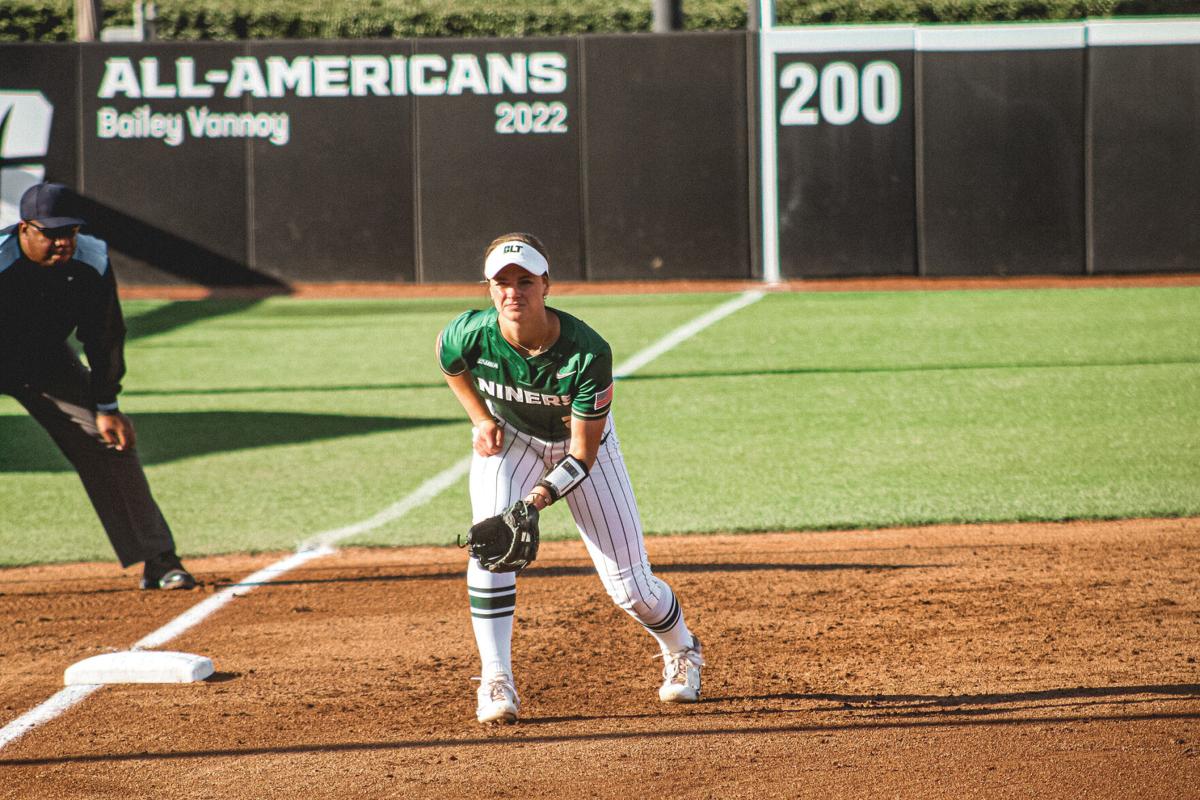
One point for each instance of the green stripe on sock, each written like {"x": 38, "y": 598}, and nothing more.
{"x": 491, "y": 614}
{"x": 503, "y": 601}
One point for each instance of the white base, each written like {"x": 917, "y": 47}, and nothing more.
{"x": 139, "y": 666}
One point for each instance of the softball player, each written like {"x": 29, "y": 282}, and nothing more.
{"x": 537, "y": 384}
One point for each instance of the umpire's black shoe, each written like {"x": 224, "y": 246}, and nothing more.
{"x": 166, "y": 572}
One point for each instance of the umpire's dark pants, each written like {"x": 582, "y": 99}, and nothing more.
{"x": 114, "y": 479}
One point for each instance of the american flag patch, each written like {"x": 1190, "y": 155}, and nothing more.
{"x": 604, "y": 398}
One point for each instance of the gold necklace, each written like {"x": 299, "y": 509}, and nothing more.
{"x": 539, "y": 349}
{"x": 533, "y": 351}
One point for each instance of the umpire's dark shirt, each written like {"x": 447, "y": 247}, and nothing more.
{"x": 41, "y": 306}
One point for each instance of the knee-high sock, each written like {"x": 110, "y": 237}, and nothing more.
{"x": 670, "y": 631}
{"x": 493, "y": 599}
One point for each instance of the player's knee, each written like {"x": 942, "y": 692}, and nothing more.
{"x": 643, "y": 611}
{"x": 639, "y": 594}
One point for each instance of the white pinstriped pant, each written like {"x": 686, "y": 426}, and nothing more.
{"x": 605, "y": 513}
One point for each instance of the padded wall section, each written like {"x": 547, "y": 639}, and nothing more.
{"x": 1145, "y": 122}
{"x": 667, "y": 182}
{"x": 38, "y": 120}
{"x": 1001, "y": 162}
{"x": 498, "y": 128}
{"x": 163, "y": 163}
{"x": 332, "y": 198}
{"x": 844, "y": 127}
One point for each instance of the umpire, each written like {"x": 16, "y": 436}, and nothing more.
{"x": 55, "y": 281}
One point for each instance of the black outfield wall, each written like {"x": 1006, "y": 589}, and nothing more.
{"x": 1144, "y": 116}
{"x": 845, "y": 142}
{"x": 336, "y": 201}
{"x": 1061, "y": 148}
{"x": 272, "y": 162}
{"x": 665, "y": 167}
{"x": 166, "y": 200}
{"x": 1001, "y": 153}
{"x": 39, "y": 118}
{"x": 1052, "y": 148}
{"x": 505, "y": 160}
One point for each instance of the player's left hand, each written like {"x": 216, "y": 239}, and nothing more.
{"x": 116, "y": 429}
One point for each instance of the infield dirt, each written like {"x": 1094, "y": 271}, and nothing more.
{"x": 1042, "y": 660}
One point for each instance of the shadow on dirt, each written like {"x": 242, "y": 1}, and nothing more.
{"x": 895, "y": 702}
{"x": 577, "y": 571}
{"x": 222, "y": 582}
{"x": 222, "y": 677}
{"x": 708, "y": 709}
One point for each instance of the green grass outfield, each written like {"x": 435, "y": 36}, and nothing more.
{"x": 265, "y": 422}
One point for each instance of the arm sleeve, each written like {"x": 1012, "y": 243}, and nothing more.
{"x": 595, "y": 392}
{"x": 450, "y": 346}
{"x": 101, "y": 330}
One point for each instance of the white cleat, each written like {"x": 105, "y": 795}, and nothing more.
{"x": 497, "y": 700}
{"x": 681, "y": 675}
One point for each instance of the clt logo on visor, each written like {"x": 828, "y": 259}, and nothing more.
{"x": 25, "y": 119}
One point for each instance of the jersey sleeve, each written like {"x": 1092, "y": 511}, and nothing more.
{"x": 452, "y": 345}
{"x": 594, "y": 394}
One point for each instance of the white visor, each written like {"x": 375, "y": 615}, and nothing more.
{"x": 523, "y": 255}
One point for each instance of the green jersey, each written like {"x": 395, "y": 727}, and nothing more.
{"x": 537, "y": 395}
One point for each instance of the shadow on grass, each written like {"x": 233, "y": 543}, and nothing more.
{"x": 704, "y": 714}
{"x": 345, "y": 387}
{"x": 180, "y": 314}
{"x": 170, "y": 436}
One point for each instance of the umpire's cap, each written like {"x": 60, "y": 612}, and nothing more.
{"x": 51, "y": 204}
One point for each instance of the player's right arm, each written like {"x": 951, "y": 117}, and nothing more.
{"x": 487, "y": 436}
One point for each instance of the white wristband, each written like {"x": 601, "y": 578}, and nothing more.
{"x": 565, "y": 476}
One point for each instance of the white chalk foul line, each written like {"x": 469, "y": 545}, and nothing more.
{"x": 322, "y": 543}
{"x": 312, "y": 548}
{"x": 197, "y": 613}
{"x": 45, "y": 712}
{"x": 685, "y": 332}
{"x": 422, "y": 495}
